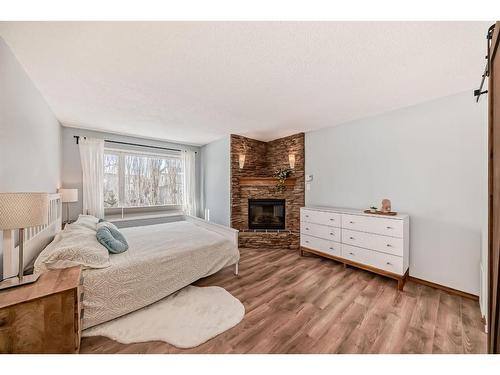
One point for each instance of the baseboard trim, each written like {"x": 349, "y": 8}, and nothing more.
{"x": 445, "y": 288}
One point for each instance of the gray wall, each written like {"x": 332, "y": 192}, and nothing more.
{"x": 430, "y": 160}
{"x": 72, "y": 168}
{"x": 216, "y": 180}
{"x": 30, "y": 135}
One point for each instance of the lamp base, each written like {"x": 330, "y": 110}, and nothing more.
{"x": 16, "y": 281}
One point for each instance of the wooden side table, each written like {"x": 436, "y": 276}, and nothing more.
{"x": 43, "y": 317}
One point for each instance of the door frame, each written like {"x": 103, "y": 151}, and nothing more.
{"x": 493, "y": 227}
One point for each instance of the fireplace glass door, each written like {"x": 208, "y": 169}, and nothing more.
{"x": 266, "y": 214}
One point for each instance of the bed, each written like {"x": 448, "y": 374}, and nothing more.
{"x": 161, "y": 259}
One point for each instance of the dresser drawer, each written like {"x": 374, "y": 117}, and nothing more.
{"x": 377, "y": 225}
{"x": 321, "y": 217}
{"x": 321, "y": 231}
{"x": 385, "y": 244}
{"x": 325, "y": 246}
{"x": 386, "y": 262}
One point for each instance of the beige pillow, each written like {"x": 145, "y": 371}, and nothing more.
{"x": 76, "y": 245}
{"x": 88, "y": 221}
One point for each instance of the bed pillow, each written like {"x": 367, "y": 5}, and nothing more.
{"x": 112, "y": 239}
{"x": 104, "y": 223}
{"x": 88, "y": 221}
{"x": 75, "y": 246}
{"x": 78, "y": 228}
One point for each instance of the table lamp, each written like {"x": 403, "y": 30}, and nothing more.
{"x": 20, "y": 211}
{"x": 68, "y": 196}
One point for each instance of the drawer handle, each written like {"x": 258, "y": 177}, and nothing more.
{"x": 389, "y": 227}
{"x": 307, "y": 228}
{"x": 332, "y": 234}
{"x": 307, "y": 241}
{"x": 351, "y": 253}
{"x": 351, "y": 222}
{"x": 307, "y": 215}
{"x": 331, "y": 248}
{"x": 389, "y": 245}
{"x": 332, "y": 219}
{"x": 351, "y": 238}
{"x": 389, "y": 263}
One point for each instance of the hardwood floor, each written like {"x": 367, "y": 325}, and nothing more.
{"x": 313, "y": 305}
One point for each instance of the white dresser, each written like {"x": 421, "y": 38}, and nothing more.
{"x": 376, "y": 243}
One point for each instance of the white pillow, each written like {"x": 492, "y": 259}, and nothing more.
{"x": 76, "y": 245}
{"x": 78, "y": 226}
{"x": 88, "y": 221}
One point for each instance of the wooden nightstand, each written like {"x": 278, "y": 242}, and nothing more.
{"x": 43, "y": 317}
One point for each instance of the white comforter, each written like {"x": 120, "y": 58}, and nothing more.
{"x": 161, "y": 259}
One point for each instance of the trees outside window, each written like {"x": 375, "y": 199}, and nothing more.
{"x": 142, "y": 180}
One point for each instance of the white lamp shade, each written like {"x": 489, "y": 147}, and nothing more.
{"x": 241, "y": 160}
{"x": 291, "y": 160}
{"x": 23, "y": 210}
{"x": 69, "y": 195}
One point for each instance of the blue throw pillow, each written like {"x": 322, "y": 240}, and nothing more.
{"x": 112, "y": 239}
{"x": 106, "y": 224}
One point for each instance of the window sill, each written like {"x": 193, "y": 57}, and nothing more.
{"x": 116, "y": 218}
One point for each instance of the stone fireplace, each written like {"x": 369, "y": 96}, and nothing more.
{"x": 265, "y": 216}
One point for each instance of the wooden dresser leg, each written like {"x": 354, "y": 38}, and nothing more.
{"x": 401, "y": 284}
{"x": 301, "y": 252}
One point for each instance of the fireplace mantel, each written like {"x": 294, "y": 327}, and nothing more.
{"x": 265, "y": 181}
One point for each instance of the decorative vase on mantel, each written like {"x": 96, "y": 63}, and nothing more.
{"x": 281, "y": 174}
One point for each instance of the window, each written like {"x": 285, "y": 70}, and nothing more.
{"x": 133, "y": 179}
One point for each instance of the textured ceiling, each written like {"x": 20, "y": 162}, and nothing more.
{"x": 195, "y": 82}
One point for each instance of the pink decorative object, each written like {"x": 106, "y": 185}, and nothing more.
{"x": 386, "y": 205}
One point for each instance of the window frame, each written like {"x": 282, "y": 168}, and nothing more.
{"x": 139, "y": 210}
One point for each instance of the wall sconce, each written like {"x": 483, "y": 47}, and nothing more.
{"x": 241, "y": 160}
{"x": 291, "y": 160}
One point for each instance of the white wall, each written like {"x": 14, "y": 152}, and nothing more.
{"x": 216, "y": 180}
{"x": 483, "y": 283}
{"x": 30, "y": 135}
{"x": 430, "y": 160}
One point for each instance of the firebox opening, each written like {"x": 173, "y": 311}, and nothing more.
{"x": 266, "y": 214}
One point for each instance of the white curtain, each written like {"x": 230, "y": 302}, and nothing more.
{"x": 92, "y": 158}
{"x": 189, "y": 196}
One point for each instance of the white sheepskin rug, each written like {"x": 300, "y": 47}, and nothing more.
{"x": 185, "y": 319}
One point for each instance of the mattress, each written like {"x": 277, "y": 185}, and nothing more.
{"x": 161, "y": 259}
